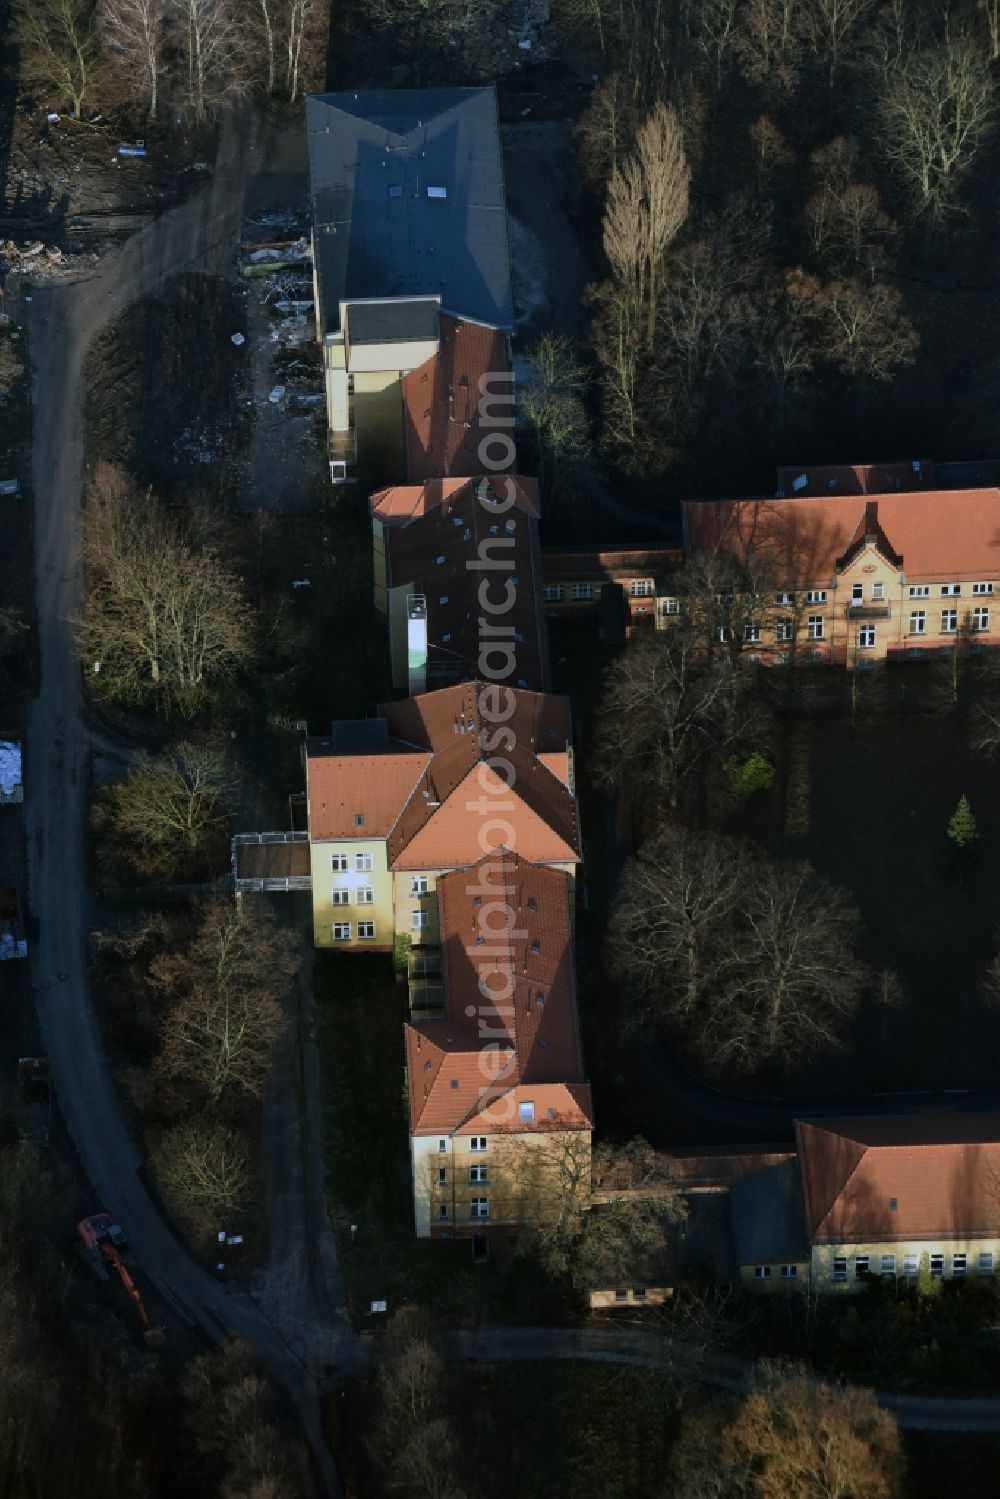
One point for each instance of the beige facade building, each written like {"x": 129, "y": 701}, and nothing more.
{"x": 869, "y": 564}
{"x": 500, "y": 1111}
{"x": 395, "y": 801}
{"x": 900, "y": 1197}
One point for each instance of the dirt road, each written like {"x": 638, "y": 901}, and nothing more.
{"x": 64, "y": 320}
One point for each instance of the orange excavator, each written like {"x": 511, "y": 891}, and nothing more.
{"x": 105, "y": 1247}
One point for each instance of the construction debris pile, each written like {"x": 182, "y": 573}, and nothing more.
{"x": 42, "y": 259}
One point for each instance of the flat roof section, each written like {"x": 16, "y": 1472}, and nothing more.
{"x": 408, "y": 200}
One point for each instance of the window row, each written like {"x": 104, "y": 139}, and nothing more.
{"x": 477, "y": 1175}
{"x": 886, "y": 1265}
{"x": 363, "y": 897}
{"x": 342, "y": 931}
{"x": 979, "y": 621}
{"x": 555, "y": 593}
{"x": 476, "y": 1142}
{"x": 479, "y": 1207}
{"x": 341, "y": 863}
{"x": 784, "y": 629}
{"x": 788, "y": 1272}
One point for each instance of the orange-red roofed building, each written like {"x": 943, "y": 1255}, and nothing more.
{"x": 871, "y": 562}
{"x": 437, "y": 546}
{"x": 430, "y": 785}
{"x": 497, "y": 1094}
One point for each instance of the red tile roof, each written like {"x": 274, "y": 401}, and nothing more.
{"x": 441, "y": 402}
{"x": 941, "y": 1172}
{"x": 944, "y": 534}
{"x": 374, "y": 784}
{"x": 510, "y": 1034}
{"x": 427, "y": 791}
{"x": 432, "y": 532}
{"x": 444, "y": 812}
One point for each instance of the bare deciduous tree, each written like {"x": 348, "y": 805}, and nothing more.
{"x": 204, "y": 1171}
{"x": 216, "y": 54}
{"x": 771, "y": 150}
{"x": 554, "y": 406}
{"x": 791, "y": 1437}
{"x": 171, "y": 809}
{"x": 936, "y": 107}
{"x": 849, "y": 229}
{"x": 764, "y": 971}
{"x": 666, "y": 710}
{"x": 132, "y": 34}
{"x": 769, "y": 42}
{"x": 605, "y": 130}
{"x": 164, "y": 621}
{"x": 58, "y": 47}
{"x": 866, "y": 329}
{"x": 646, "y": 205}
{"x": 714, "y": 35}
{"x": 306, "y": 32}
{"x": 223, "y": 994}
{"x": 831, "y": 26}
{"x": 674, "y": 916}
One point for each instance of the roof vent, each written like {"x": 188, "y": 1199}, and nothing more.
{"x": 359, "y": 820}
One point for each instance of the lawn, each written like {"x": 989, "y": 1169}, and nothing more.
{"x": 875, "y": 803}
{"x": 565, "y": 1431}
{"x": 361, "y": 1011}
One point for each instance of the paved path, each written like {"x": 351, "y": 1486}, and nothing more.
{"x": 632, "y": 1347}
{"x": 63, "y": 321}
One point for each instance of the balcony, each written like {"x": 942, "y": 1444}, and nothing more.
{"x": 869, "y": 611}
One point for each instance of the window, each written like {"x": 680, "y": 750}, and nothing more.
{"x": 443, "y": 1210}
{"x": 982, "y": 587}
{"x": 950, "y": 590}
{"x": 789, "y": 1272}
{"x": 980, "y": 619}
{"x": 366, "y": 930}
{"x": 639, "y": 1294}
{"x": 359, "y": 820}
{"x": 436, "y": 192}
{"x": 878, "y": 591}
{"x": 949, "y": 621}
{"x": 751, "y": 632}
{"x": 670, "y": 606}
{"x": 365, "y": 896}
{"x": 418, "y": 884}
{"x": 621, "y": 1295}
{"x": 363, "y": 863}
{"x": 916, "y": 652}
{"x": 479, "y": 1173}
{"x": 526, "y": 1111}
{"x": 959, "y": 1264}
{"x": 857, "y": 593}
{"x": 889, "y": 1266}
{"x": 784, "y": 598}
{"x": 893, "y": 1204}
{"x": 724, "y": 634}
{"x": 918, "y": 621}
{"x": 911, "y": 1265}
{"x": 860, "y": 1266}
{"x": 920, "y": 591}
{"x": 762, "y": 1272}
{"x": 419, "y": 921}
{"x": 338, "y": 863}
{"x": 816, "y": 596}
{"x": 840, "y": 1269}
{"x": 479, "y": 1207}
{"x": 553, "y": 593}
{"x": 477, "y": 1142}
{"x": 641, "y": 588}
{"x": 866, "y": 637}
{"x": 442, "y": 1145}
{"x": 815, "y": 627}
{"x": 986, "y": 1263}
{"x": 442, "y": 1176}
{"x": 937, "y": 1266}
{"x": 340, "y": 898}
{"x": 341, "y": 931}
{"x": 783, "y": 630}
{"x": 583, "y": 590}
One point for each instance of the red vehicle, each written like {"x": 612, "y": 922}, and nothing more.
{"x": 106, "y": 1248}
